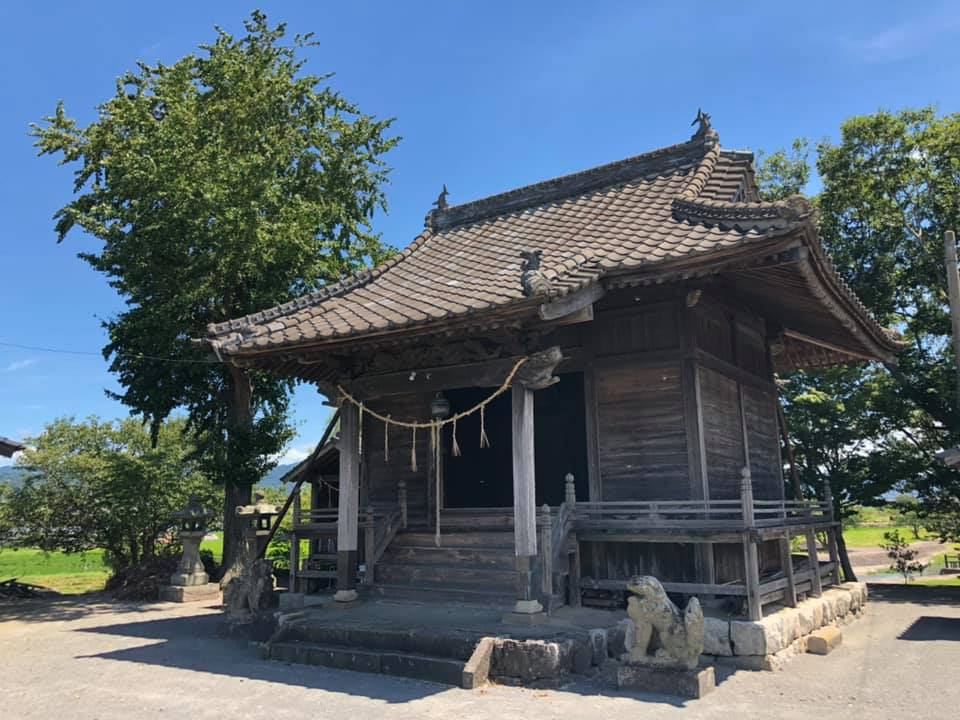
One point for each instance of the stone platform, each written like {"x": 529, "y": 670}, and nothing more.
{"x": 666, "y": 681}
{"x": 190, "y": 593}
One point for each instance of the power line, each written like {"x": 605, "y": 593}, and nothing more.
{"x": 137, "y": 356}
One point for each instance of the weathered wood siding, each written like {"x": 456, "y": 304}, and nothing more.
{"x": 379, "y": 483}
{"x": 637, "y": 329}
{"x": 728, "y": 560}
{"x": 642, "y": 438}
{"x": 723, "y": 434}
{"x": 763, "y": 439}
{"x": 671, "y": 562}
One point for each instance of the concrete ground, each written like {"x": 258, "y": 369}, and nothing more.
{"x": 93, "y": 659}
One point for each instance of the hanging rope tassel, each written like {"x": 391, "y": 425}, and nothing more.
{"x": 435, "y": 435}
{"x": 360, "y": 431}
{"x": 413, "y": 451}
{"x": 386, "y": 440}
{"x": 484, "y": 440}
{"x": 456, "y": 445}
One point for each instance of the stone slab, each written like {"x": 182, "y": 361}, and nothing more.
{"x": 189, "y": 579}
{"x": 519, "y": 618}
{"x": 190, "y": 593}
{"x": 477, "y": 670}
{"x": 824, "y": 640}
{"x": 666, "y": 681}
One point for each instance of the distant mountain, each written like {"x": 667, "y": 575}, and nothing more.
{"x": 272, "y": 478}
{"x": 12, "y": 475}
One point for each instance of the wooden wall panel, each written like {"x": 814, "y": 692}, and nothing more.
{"x": 381, "y": 478}
{"x": 670, "y": 562}
{"x": 642, "y": 440}
{"x": 641, "y": 330}
{"x": 723, "y": 435}
{"x": 714, "y": 332}
{"x": 764, "y": 443}
{"x": 752, "y": 351}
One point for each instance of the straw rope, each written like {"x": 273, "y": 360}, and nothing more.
{"x": 435, "y": 427}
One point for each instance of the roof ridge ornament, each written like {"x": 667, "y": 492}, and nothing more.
{"x": 705, "y": 129}
{"x": 531, "y": 276}
{"x": 439, "y": 205}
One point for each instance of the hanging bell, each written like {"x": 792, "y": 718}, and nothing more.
{"x": 439, "y": 407}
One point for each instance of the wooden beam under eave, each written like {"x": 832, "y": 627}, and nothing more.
{"x": 572, "y": 304}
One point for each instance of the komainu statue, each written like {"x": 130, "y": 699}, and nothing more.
{"x": 665, "y": 636}
{"x": 251, "y": 590}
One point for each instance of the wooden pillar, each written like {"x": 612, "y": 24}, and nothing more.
{"x": 816, "y": 585}
{"x": 831, "y": 534}
{"x": 786, "y": 561}
{"x": 751, "y": 560}
{"x": 402, "y": 500}
{"x": 295, "y": 543}
{"x": 524, "y": 498}
{"x": 348, "y": 503}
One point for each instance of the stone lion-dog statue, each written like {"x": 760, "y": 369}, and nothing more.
{"x": 665, "y": 636}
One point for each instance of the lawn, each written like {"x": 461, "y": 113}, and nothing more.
{"x": 70, "y": 574}
{"x": 867, "y": 536}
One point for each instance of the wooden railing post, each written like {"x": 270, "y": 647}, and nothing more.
{"x": 828, "y": 498}
{"x": 751, "y": 561}
{"x": 546, "y": 552}
{"x": 570, "y": 491}
{"x": 295, "y": 543}
{"x": 402, "y": 499}
{"x": 369, "y": 546}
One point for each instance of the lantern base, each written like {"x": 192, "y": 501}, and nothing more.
{"x": 190, "y": 593}
{"x": 189, "y": 579}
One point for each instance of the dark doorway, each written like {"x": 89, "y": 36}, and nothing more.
{"x": 483, "y": 477}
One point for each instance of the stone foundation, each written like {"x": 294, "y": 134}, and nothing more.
{"x": 768, "y": 643}
{"x": 190, "y": 593}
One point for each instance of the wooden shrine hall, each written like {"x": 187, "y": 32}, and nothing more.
{"x": 562, "y": 386}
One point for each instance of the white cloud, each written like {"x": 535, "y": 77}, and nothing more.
{"x": 907, "y": 39}
{"x": 295, "y": 455}
{"x": 18, "y": 365}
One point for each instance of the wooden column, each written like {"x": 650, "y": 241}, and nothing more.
{"x": 524, "y": 498}
{"x": 831, "y": 534}
{"x": 295, "y": 543}
{"x": 348, "y": 503}
{"x": 786, "y": 561}
{"x": 816, "y": 585}
{"x": 751, "y": 560}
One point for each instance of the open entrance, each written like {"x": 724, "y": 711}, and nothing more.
{"x": 483, "y": 477}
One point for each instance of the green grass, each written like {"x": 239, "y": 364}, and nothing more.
{"x": 70, "y": 574}
{"x": 866, "y": 536}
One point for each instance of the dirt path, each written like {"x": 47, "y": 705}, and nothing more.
{"x": 867, "y": 560}
{"x": 97, "y": 660}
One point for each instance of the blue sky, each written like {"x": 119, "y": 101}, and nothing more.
{"x": 487, "y": 96}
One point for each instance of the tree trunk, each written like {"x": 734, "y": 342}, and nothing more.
{"x": 238, "y": 489}
{"x": 848, "y": 574}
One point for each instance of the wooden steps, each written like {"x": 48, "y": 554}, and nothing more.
{"x": 473, "y": 564}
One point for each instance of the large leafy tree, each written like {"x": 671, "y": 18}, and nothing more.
{"x": 888, "y": 193}
{"x": 98, "y": 484}
{"x": 220, "y": 185}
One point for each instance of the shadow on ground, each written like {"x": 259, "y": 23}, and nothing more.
{"x": 65, "y": 608}
{"x": 916, "y": 594}
{"x": 927, "y": 627}
{"x": 195, "y": 643}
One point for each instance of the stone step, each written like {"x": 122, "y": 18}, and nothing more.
{"x": 451, "y": 644}
{"x": 451, "y": 539}
{"x": 420, "y": 667}
{"x": 428, "y": 593}
{"x": 499, "y": 558}
{"x": 445, "y": 575}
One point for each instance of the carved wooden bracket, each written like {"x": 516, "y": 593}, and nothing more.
{"x": 537, "y": 372}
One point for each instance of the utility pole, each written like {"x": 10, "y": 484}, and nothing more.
{"x": 953, "y": 287}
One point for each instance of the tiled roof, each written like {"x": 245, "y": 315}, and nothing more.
{"x": 685, "y": 201}
{"x": 8, "y": 447}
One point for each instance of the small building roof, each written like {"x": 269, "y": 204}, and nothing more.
{"x": 8, "y": 447}
{"x": 683, "y": 209}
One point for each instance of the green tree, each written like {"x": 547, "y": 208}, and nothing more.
{"x": 97, "y": 484}
{"x": 903, "y": 558}
{"x": 220, "y": 185}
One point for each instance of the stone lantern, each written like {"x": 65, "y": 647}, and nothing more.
{"x": 190, "y": 581}
{"x": 260, "y": 517}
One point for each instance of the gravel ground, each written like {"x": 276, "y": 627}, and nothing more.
{"x": 92, "y": 659}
